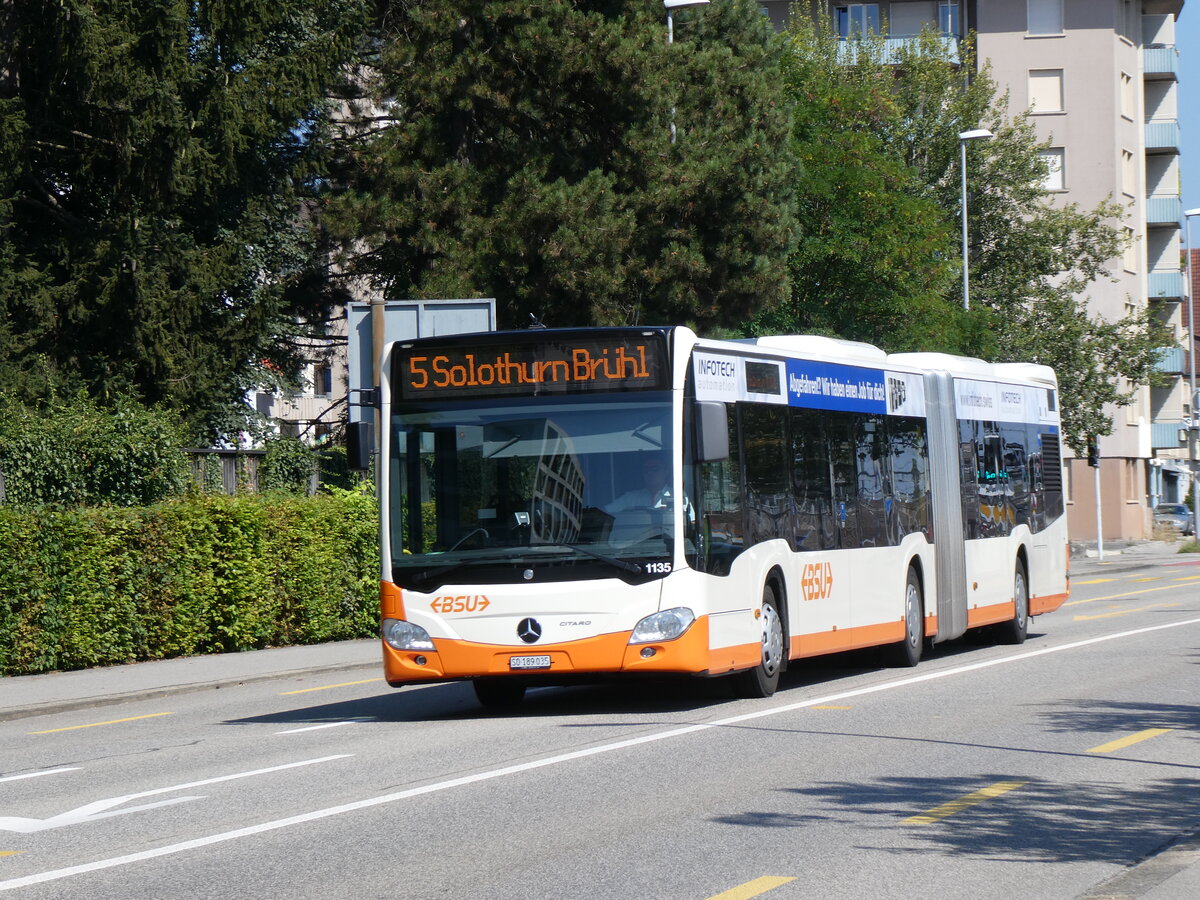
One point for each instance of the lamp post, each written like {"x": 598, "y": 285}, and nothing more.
{"x": 671, "y": 6}
{"x": 1194, "y": 424}
{"x": 977, "y": 134}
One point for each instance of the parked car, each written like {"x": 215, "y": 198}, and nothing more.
{"x": 1174, "y": 515}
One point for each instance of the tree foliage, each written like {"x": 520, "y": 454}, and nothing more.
{"x": 523, "y": 151}
{"x": 879, "y": 261}
{"x": 874, "y": 260}
{"x": 152, "y": 155}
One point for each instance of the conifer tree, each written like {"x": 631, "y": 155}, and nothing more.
{"x": 523, "y": 150}
{"x": 152, "y": 157}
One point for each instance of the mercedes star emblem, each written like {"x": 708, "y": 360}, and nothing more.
{"x": 529, "y": 630}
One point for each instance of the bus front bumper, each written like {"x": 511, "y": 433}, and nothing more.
{"x": 603, "y": 654}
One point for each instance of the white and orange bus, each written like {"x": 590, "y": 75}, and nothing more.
{"x": 564, "y": 503}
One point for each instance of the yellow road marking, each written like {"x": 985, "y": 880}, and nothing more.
{"x": 1122, "y": 743}
{"x": 832, "y": 707}
{"x": 330, "y": 687}
{"x": 752, "y": 888}
{"x": 1153, "y": 578}
{"x": 10, "y": 852}
{"x": 1189, "y": 578}
{"x": 109, "y": 722}
{"x": 1168, "y": 587}
{"x": 1095, "y": 581}
{"x": 949, "y": 809}
{"x": 1125, "y": 612}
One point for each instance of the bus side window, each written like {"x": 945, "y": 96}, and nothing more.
{"x": 812, "y": 494}
{"x": 910, "y": 475}
{"x": 721, "y": 484}
{"x": 968, "y": 479}
{"x": 876, "y": 514}
{"x": 768, "y": 505}
{"x": 843, "y": 450}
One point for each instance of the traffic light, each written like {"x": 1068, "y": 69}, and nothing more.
{"x": 1093, "y": 451}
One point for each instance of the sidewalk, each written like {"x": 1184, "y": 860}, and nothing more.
{"x": 36, "y": 695}
{"x": 1121, "y": 556}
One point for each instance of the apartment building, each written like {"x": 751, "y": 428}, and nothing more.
{"x": 1101, "y": 80}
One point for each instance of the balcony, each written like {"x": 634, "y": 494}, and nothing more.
{"x": 894, "y": 46}
{"x": 1164, "y": 210}
{"x": 1166, "y": 284}
{"x": 1171, "y": 360}
{"x": 1162, "y": 136}
{"x": 1161, "y": 62}
{"x": 1165, "y": 435}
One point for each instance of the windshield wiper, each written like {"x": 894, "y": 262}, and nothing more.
{"x": 623, "y": 564}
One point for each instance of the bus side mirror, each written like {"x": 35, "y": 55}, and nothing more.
{"x": 359, "y": 444}
{"x": 712, "y": 431}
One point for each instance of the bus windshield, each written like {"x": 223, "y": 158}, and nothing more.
{"x": 550, "y": 488}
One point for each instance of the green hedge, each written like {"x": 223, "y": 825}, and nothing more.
{"x": 203, "y": 574}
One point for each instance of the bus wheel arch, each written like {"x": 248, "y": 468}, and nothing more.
{"x": 906, "y": 652}
{"x": 763, "y": 679}
{"x": 1016, "y": 629}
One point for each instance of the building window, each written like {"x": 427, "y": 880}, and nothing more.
{"x": 855, "y": 19}
{"x": 1129, "y": 251}
{"x": 1045, "y": 90}
{"x": 1129, "y": 20}
{"x": 1055, "y": 179}
{"x": 1128, "y": 173}
{"x": 322, "y": 380}
{"x": 1044, "y": 16}
{"x": 1127, "y": 99}
{"x": 948, "y": 18}
{"x": 1133, "y": 480}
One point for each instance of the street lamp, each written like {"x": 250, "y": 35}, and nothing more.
{"x": 671, "y": 6}
{"x": 1194, "y": 424}
{"x": 977, "y": 134}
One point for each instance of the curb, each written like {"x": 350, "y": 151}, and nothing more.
{"x": 58, "y": 706}
{"x": 1151, "y": 872}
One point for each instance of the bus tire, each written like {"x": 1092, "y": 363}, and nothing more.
{"x": 907, "y": 652}
{"x": 1016, "y": 629}
{"x": 763, "y": 679}
{"x": 498, "y": 693}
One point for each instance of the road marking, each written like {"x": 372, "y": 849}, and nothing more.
{"x": 1151, "y": 578}
{"x": 325, "y": 725}
{"x": 10, "y": 852}
{"x": 1125, "y": 612}
{"x": 1188, "y": 578}
{"x": 948, "y": 809}
{"x": 1136, "y": 738}
{"x": 330, "y": 687}
{"x": 752, "y": 888}
{"x": 1168, "y": 587}
{"x": 1094, "y": 581}
{"x": 492, "y": 774}
{"x": 103, "y": 809}
{"x": 39, "y": 774}
{"x": 109, "y": 722}
{"x": 827, "y": 706}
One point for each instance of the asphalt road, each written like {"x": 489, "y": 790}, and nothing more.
{"x": 1036, "y": 771}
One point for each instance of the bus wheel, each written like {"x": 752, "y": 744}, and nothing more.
{"x": 907, "y": 653}
{"x": 1015, "y": 630}
{"x": 763, "y": 679}
{"x": 498, "y": 693}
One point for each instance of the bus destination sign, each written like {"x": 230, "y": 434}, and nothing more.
{"x": 460, "y": 369}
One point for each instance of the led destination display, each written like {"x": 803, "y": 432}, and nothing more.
{"x": 509, "y": 366}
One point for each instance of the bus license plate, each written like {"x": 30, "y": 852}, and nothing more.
{"x": 529, "y": 662}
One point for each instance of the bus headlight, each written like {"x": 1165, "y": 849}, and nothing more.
{"x": 402, "y": 635}
{"x": 663, "y": 626}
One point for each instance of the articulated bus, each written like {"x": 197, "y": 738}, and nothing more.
{"x": 600, "y": 502}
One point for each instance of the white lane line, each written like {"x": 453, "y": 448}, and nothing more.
{"x": 39, "y": 774}
{"x": 317, "y": 814}
{"x": 103, "y": 809}
{"x": 324, "y": 725}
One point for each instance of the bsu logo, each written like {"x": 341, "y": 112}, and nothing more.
{"x": 817, "y": 581}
